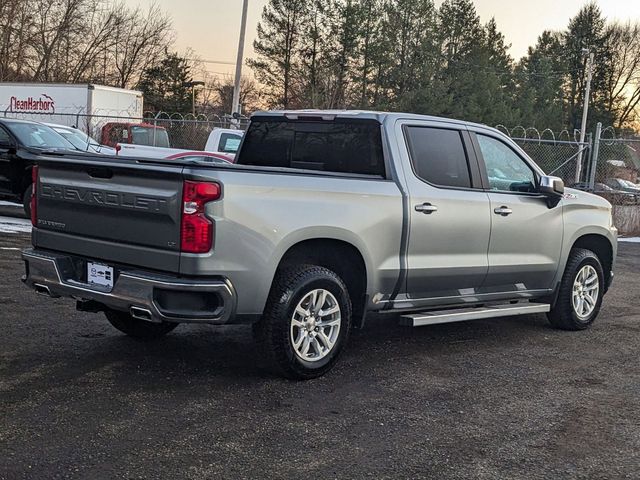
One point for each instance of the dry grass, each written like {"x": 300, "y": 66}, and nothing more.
{"x": 627, "y": 219}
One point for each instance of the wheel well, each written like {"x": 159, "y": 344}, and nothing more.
{"x": 601, "y": 247}
{"x": 340, "y": 257}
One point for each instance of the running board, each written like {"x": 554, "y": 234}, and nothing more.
{"x": 478, "y": 313}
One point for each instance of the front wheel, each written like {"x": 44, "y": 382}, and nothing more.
{"x": 306, "y": 322}
{"x": 581, "y": 292}
{"x": 138, "y": 329}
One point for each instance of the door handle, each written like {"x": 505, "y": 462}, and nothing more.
{"x": 504, "y": 211}
{"x": 426, "y": 208}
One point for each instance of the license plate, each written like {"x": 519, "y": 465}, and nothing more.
{"x": 98, "y": 274}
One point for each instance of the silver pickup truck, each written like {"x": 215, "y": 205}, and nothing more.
{"x": 326, "y": 217}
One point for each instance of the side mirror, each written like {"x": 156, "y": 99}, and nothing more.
{"x": 552, "y": 188}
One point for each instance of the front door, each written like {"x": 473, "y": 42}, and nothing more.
{"x": 449, "y": 222}
{"x": 526, "y": 234}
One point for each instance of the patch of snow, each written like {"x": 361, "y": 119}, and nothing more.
{"x": 14, "y": 225}
{"x": 629, "y": 239}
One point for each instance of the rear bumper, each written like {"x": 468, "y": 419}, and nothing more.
{"x": 145, "y": 295}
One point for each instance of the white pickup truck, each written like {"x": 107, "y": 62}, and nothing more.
{"x": 221, "y": 140}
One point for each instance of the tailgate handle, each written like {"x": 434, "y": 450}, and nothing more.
{"x": 100, "y": 172}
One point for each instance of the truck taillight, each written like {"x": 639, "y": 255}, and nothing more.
{"x": 34, "y": 195}
{"x": 196, "y": 234}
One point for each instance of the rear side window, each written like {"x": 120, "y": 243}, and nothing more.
{"x": 336, "y": 146}
{"x": 438, "y": 156}
{"x": 229, "y": 143}
{"x": 157, "y": 137}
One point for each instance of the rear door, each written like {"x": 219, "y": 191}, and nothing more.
{"x": 114, "y": 210}
{"x": 526, "y": 234}
{"x": 449, "y": 213}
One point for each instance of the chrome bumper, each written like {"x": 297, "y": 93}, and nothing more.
{"x": 142, "y": 294}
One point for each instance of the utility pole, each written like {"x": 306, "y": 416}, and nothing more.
{"x": 594, "y": 156}
{"x": 585, "y": 111}
{"x": 235, "y": 106}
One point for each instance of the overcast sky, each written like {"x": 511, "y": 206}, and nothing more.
{"x": 211, "y": 27}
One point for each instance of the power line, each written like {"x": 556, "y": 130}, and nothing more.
{"x": 219, "y": 62}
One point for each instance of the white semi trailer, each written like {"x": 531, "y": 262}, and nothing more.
{"x": 85, "y": 106}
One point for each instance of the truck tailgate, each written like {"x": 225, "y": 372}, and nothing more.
{"x": 122, "y": 212}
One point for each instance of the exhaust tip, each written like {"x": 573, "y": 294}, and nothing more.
{"x": 42, "y": 289}
{"x": 141, "y": 314}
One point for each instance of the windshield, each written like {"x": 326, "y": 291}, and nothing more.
{"x": 39, "y": 136}
{"x": 151, "y": 136}
{"x": 79, "y": 140}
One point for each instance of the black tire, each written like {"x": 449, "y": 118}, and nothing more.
{"x": 563, "y": 315}
{"x": 26, "y": 201}
{"x": 273, "y": 331}
{"x": 138, "y": 329}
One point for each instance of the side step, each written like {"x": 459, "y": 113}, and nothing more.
{"x": 478, "y": 313}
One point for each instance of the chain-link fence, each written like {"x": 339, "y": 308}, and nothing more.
{"x": 162, "y": 129}
{"x": 604, "y": 165}
{"x": 616, "y": 170}
{"x": 558, "y": 157}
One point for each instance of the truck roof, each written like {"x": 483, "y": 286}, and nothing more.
{"x": 361, "y": 114}
{"x": 18, "y": 120}
{"x": 89, "y": 86}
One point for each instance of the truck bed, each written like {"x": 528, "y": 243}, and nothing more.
{"x": 125, "y": 212}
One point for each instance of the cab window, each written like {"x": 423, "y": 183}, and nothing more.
{"x": 506, "y": 171}
{"x": 438, "y": 156}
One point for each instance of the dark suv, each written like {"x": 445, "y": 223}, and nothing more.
{"x": 19, "y": 140}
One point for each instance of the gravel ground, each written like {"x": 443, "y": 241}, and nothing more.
{"x": 504, "y": 398}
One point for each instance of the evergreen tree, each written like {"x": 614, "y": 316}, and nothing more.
{"x": 369, "y": 21}
{"x": 164, "y": 86}
{"x": 310, "y": 76}
{"x": 477, "y": 69}
{"x": 411, "y": 56}
{"x": 585, "y": 31}
{"x": 277, "y": 47}
{"x": 540, "y": 80}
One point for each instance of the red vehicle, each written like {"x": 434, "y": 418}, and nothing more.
{"x": 217, "y": 157}
{"x": 134, "y": 133}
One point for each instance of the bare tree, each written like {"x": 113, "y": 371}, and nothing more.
{"x": 80, "y": 40}
{"x": 622, "y": 67}
{"x": 140, "y": 38}
{"x": 54, "y": 28}
{"x": 16, "y": 23}
{"x": 223, "y": 89}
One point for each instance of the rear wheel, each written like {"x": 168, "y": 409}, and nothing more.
{"x": 139, "y": 329}
{"x": 581, "y": 292}
{"x": 306, "y": 322}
